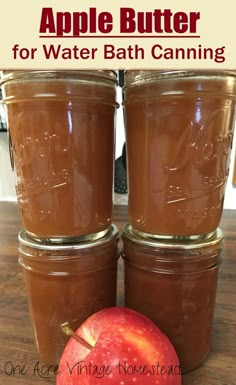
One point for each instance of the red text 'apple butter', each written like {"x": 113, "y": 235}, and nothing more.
{"x": 174, "y": 284}
{"x": 179, "y": 130}
{"x": 66, "y": 283}
{"x": 61, "y": 125}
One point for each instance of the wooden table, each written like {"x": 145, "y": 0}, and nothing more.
{"x": 18, "y": 357}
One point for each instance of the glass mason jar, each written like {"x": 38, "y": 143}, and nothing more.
{"x": 66, "y": 283}
{"x": 61, "y": 126}
{"x": 179, "y": 130}
{"x": 174, "y": 284}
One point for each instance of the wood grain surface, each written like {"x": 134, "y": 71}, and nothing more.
{"x": 19, "y": 362}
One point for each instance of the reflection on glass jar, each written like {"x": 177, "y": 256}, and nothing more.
{"x": 66, "y": 283}
{"x": 61, "y": 125}
{"x": 174, "y": 284}
{"x": 179, "y": 130}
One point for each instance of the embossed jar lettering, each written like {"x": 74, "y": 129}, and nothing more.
{"x": 62, "y": 141}
{"x": 179, "y": 130}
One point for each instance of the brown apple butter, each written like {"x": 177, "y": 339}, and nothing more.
{"x": 66, "y": 283}
{"x": 179, "y": 129}
{"x": 61, "y": 125}
{"x": 174, "y": 284}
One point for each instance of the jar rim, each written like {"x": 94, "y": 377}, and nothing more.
{"x": 173, "y": 244}
{"x": 25, "y": 240}
{"x": 16, "y": 75}
{"x": 137, "y": 77}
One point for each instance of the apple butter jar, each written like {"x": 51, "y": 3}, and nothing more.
{"x": 179, "y": 130}
{"x": 61, "y": 126}
{"x": 66, "y": 283}
{"x": 174, "y": 284}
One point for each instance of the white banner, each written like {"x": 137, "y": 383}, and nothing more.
{"x": 76, "y": 34}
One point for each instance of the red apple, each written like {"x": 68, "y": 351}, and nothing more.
{"x": 127, "y": 348}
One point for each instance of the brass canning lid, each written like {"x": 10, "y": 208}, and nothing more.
{"x": 25, "y": 240}
{"x": 172, "y": 238}
{"x": 175, "y": 243}
{"x": 69, "y": 239}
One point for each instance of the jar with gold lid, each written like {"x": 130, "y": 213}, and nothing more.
{"x": 179, "y": 130}
{"x": 66, "y": 283}
{"x": 61, "y": 126}
{"x": 174, "y": 284}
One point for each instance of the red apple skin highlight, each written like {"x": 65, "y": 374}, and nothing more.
{"x": 128, "y": 349}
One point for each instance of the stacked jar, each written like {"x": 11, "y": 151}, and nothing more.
{"x": 61, "y": 130}
{"x": 179, "y": 130}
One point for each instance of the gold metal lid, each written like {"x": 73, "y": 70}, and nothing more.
{"x": 173, "y": 238}
{"x": 180, "y": 244}
{"x": 68, "y": 239}
{"x": 26, "y": 240}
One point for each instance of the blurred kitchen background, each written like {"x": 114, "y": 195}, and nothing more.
{"x": 7, "y": 185}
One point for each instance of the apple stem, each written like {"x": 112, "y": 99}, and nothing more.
{"x": 69, "y": 332}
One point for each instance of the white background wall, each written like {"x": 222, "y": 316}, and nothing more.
{"x": 7, "y": 189}
{"x": 7, "y": 182}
